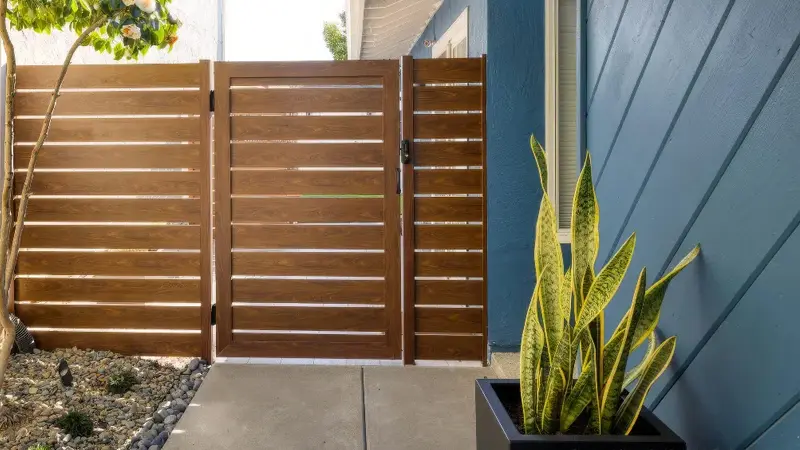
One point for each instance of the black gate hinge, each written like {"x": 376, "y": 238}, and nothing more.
{"x": 214, "y": 314}
{"x": 211, "y": 100}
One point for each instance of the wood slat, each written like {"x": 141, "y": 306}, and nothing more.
{"x": 306, "y": 100}
{"x": 110, "y": 76}
{"x": 447, "y": 98}
{"x": 308, "y": 236}
{"x": 109, "y": 263}
{"x": 109, "y": 103}
{"x": 108, "y": 290}
{"x": 310, "y": 127}
{"x": 112, "y": 183}
{"x": 322, "y": 210}
{"x": 293, "y": 182}
{"x": 145, "y": 344}
{"x": 449, "y": 264}
{"x": 449, "y": 320}
{"x": 443, "y": 347}
{"x": 307, "y": 155}
{"x": 171, "y": 156}
{"x": 262, "y": 82}
{"x": 449, "y": 292}
{"x": 308, "y": 291}
{"x": 111, "y": 237}
{"x": 250, "y": 337}
{"x": 449, "y": 209}
{"x": 448, "y": 237}
{"x": 170, "y": 129}
{"x": 452, "y": 70}
{"x": 253, "y": 345}
{"x": 308, "y": 318}
{"x": 447, "y": 126}
{"x": 309, "y": 264}
{"x": 113, "y": 210}
{"x": 448, "y": 181}
{"x": 109, "y": 316}
{"x": 447, "y": 153}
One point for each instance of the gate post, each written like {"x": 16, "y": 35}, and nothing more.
{"x": 205, "y": 209}
{"x": 409, "y": 269}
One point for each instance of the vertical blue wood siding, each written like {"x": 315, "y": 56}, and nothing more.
{"x": 445, "y": 16}
{"x": 692, "y": 122}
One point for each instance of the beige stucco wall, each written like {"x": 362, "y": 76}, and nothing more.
{"x": 198, "y": 40}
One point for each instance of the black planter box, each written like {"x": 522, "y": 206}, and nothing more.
{"x": 496, "y": 431}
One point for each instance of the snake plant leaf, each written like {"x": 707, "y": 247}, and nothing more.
{"x": 566, "y": 294}
{"x": 552, "y": 400}
{"x": 530, "y": 354}
{"x": 636, "y": 372}
{"x": 656, "y": 365}
{"x": 541, "y": 162}
{"x": 585, "y": 229}
{"x": 655, "y": 297}
{"x": 611, "y": 349}
{"x": 582, "y": 393}
{"x": 616, "y": 371}
{"x": 549, "y": 272}
{"x": 605, "y": 285}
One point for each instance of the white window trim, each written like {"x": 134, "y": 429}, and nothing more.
{"x": 458, "y": 31}
{"x": 551, "y": 107}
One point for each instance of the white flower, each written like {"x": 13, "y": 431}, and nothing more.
{"x": 147, "y": 6}
{"x": 128, "y": 2}
{"x": 131, "y": 31}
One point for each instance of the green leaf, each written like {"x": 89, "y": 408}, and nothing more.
{"x": 585, "y": 229}
{"x": 582, "y": 393}
{"x": 566, "y": 294}
{"x": 636, "y": 372}
{"x": 605, "y": 285}
{"x": 541, "y": 162}
{"x": 656, "y": 365}
{"x": 552, "y": 400}
{"x": 549, "y": 272}
{"x": 530, "y": 353}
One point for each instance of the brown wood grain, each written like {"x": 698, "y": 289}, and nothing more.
{"x": 448, "y": 237}
{"x": 484, "y": 290}
{"x": 451, "y": 70}
{"x": 168, "y": 129}
{"x": 308, "y": 236}
{"x": 408, "y": 214}
{"x": 170, "y": 156}
{"x": 449, "y": 209}
{"x": 449, "y": 264}
{"x": 448, "y": 181}
{"x": 447, "y": 98}
{"x": 110, "y": 76}
{"x": 206, "y": 229}
{"x": 293, "y": 182}
{"x": 251, "y": 345}
{"x": 321, "y": 338}
{"x": 449, "y": 292}
{"x": 310, "y": 127}
{"x": 144, "y": 344}
{"x": 449, "y": 320}
{"x": 108, "y": 290}
{"x": 109, "y": 316}
{"x": 309, "y": 264}
{"x": 444, "y": 347}
{"x": 321, "y": 210}
{"x": 112, "y": 183}
{"x": 306, "y": 100}
{"x": 109, "y": 263}
{"x": 261, "y": 82}
{"x": 113, "y": 210}
{"x": 249, "y": 154}
{"x": 109, "y": 103}
{"x": 111, "y": 237}
{"x": 308, "y": 291}
{"x": 447, "y": 126}
{"x": 448, "y": 153}
{"x": 307, "y": 318}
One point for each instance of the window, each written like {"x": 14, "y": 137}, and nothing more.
{"x": 561, "y": 95}
{"x": 453, "y": 43}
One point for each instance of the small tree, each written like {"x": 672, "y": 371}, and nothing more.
{"x": 125, "y": 28}
{"x": 335, "y": 39}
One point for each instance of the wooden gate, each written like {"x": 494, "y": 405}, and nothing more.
{"x": 307, "y": 209}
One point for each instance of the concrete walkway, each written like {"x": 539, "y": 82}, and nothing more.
{"x": 288, "y": 407}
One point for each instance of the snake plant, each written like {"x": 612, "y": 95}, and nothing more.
{"x": 564, "y": 328}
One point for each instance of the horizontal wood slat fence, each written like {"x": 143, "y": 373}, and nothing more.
{"x": 311, "y": 196}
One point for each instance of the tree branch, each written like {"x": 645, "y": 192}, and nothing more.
{"x": 8, "y": 141}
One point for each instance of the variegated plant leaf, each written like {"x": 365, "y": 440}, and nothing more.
{"x": 655, "y": 297}
{"x": 552, "y": 400}
{"x": 549, "y": 271}
{"x": 541, "y": 162}
{"x": 616, "y": 371}
{"x": 582, "y": 393}
{"x": 605, "y": 285}
{"x": 633, "y": 374}
{"x": 585, "y": 230}
{"x": 530, "y": 354}
{"x": 566, "y": 294}
{"x": 612, "y": 347}
{"x": 656, "y": 365}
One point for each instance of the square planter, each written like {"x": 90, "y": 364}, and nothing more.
{"x": 495, "y": 429}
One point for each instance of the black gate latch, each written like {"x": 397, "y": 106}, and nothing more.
{"x": 405, "y": 151}
{"x": 214, "y": 314}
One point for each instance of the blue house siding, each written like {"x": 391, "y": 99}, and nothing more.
{"x": 445, "y": 16}
{"x": 693, "y": 130}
